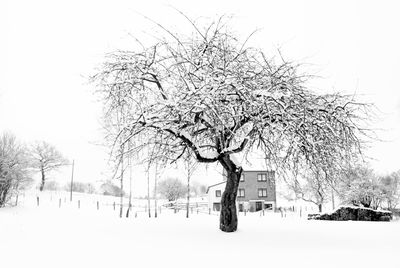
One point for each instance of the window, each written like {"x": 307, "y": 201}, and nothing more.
{"x": 262, "y": 192}
{"x": 262, "y": 177}
{"x": 268, "y": 206}
{"x": 242, "y": 178}
{"x": 218, "y": 193}
{"x": 241, "y": 193}
{"x": 216, "y": 207}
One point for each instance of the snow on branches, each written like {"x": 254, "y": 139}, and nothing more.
{"x": 212, "y": 95}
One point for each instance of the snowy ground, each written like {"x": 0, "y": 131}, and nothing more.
{"x": 48, "y": 236}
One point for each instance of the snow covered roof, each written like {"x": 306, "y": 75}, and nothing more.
{"x": 208, "y": 188}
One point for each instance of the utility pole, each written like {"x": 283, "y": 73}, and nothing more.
{"x": 72, "y": 181}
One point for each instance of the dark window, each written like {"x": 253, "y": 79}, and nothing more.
{"x": 218, "y": 193}
{"x": 241, "y": 193}
{"x": 262, "y": 192}
{"x": 258, "y": 206}
{"x": 262, "y": 177}
{"x": 268, "y": 206}
{"x": 241, "y": 207}
{"x": 216, "y": 206}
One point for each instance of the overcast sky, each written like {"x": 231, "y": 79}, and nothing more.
{"x": 48, "y": 48}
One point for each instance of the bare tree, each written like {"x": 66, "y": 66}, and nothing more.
{"x": 14, "y": 168}
{"x": 391, "y": 189}
{"x": 313, "y": 187}
{"x": 211, "y": 94}
{"x": 46, "y": 158}
{"x": 361, "y": 187}
{"x": 171, "y": 189}
{"x": 190, "y": 167}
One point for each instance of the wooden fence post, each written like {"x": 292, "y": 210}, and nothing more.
{"x": 114, "y": 205}
{"x": 79, "y": 203}
{"x": 59, "y": 203}
{"x": 37, "y": 200}
{"x": 98, "y": 205}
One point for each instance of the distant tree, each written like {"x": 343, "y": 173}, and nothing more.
{"x": 213, "y": 95}
{"x": 391, "y": 189}
{"x": 313, "y": 187}
{"x": 81, "y": 187}
{"x": 52, "y": 186}
{"x": 109, "y": 188}
{"x": 171, "y": 189}
{"x": 361, "y": 187}
{"x": 46, "y": 158}
{"x": 14, "y": 168}
{"x": 198, "y": 188}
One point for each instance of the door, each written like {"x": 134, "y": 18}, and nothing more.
{"x": 259, "y": 206}
{"x": 241, "y": 207}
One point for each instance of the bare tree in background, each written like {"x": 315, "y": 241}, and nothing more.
{"x": 171, "y": 189}
{"x": 361, "y": 187}
{"x": 313, "y": 187}
{"x": 130, "y": 164}
{"x": 391, "y": 189}
{"x": 46, "y": 158}
{"x": 190, "y": 167}
{"x": 213, "y": 95}
{"x": 14, "y": 168}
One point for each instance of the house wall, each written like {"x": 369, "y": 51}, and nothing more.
{"x": 251, "y": 186}
{"x": 212, "y": 198}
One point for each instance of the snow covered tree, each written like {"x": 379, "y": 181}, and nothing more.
{"x": 46, "y": 158}
{"x": 14, "y": 167}
{"x": 313, "y": 187}
{"x": 171, "y": 189}
{"x": 361, "y": 187}
{"x": 391, "y": 189}
{"x": 213, "y": 95}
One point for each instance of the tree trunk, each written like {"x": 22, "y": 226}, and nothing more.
{"x": 155, "y": 191}
{"x": 320, "y": 208}
{"x": 228, "y": 220}
{"x": 43, "y": 179}
{"x": 188, "y": 193}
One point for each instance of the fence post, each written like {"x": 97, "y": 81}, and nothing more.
{"x": 79, "y": 203}
{"x": 37, "y": 200}
{"x": 98, "y": 205}
{"x": 191, "y": 210}
{"x": 209, "y": 211}
{"x": 59, "y": 203}
{"x": 114, "y": 205}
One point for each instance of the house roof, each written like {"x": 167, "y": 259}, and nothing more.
{"x": 208, "y": 188}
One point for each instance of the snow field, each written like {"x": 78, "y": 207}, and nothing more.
{"x": 47, "y": 236}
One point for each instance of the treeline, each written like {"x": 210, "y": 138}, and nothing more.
{"x": 358, "y": 186}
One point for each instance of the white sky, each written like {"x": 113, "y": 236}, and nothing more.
{"x": 48, "y": 48}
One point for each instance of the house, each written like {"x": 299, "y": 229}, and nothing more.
{"x": 256, "y": 191}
